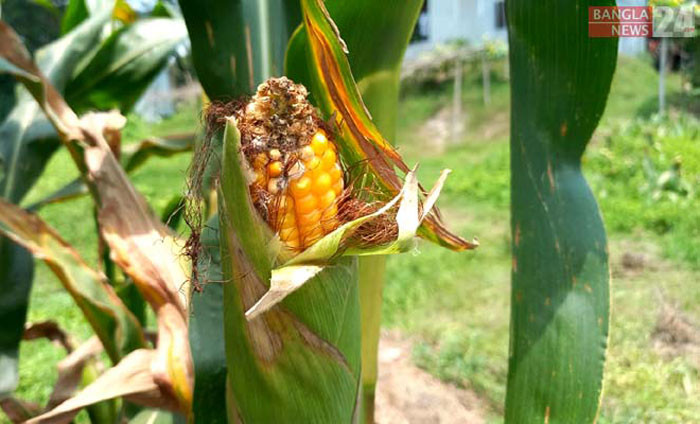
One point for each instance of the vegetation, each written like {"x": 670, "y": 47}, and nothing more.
{"x": 471, "y": 297}
{"x": 644, "y": 168}
{"x": 465, "y": 341}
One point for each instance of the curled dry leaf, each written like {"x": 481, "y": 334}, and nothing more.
{"x": 117, "y": 328}
{"x": 48, "y": 330}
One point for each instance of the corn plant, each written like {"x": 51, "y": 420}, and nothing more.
{"x": 317, "y": 328}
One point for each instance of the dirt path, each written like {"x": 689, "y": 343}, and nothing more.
{"x": 409, "y": 395}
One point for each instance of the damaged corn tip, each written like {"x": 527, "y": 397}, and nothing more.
{"x": 298, "y": 175}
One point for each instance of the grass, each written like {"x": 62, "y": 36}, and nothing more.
{"x": 458, "y": 317}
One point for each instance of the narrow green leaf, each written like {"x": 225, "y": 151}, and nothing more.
{"x": 78, "y": 11}
{"x": 114, "y": 324}
{"x": 207, "y": 334}
{"x": 240, "y": 43}
{"x": 16, "y": 272}
{"x": 138, "y": 154}
{"x": 27, "y": 139}
{"x": 71, "y": 190}
{"x": 125, "y": 65}
{"x": 560, "y": 79}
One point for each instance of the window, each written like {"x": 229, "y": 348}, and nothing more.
{"x": 500, "y": 14}
{"x": 420, "y": 32}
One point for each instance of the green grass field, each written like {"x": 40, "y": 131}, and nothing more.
{"x": 458, "y": 317}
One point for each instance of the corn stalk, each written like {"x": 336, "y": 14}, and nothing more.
{"x": 560, "y": 79}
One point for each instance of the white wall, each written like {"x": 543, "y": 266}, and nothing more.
{"x": 632, "y": 46}
{"x": 472, "y": 20}
{"x": 467, "y": 19}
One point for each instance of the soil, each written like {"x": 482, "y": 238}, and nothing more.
{"x": 409, "y": 395}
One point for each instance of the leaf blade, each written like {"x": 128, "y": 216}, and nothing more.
{"x": 560, "y": 277}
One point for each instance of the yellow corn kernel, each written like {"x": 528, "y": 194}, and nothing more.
{"x": 319, "y": 143}
{"x": 274, "y": 169}
{"x": 321, "y": 184}
{"x": 301, "y": 186}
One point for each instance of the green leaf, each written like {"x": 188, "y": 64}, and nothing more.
{"x": 136, "y": 156}
{"x": 237, "y": 44}
{"x": 114, "y": 324}
{"x": 71, "y": 190}
{"x": 125, "y": 65}
{"x": 49, "y": 6}
{"x": 300, "y": 361}
{"x": 78, "y": 11}
{"x": 560, "y": 79}
{"x": 16, "y": 272}
{"x": 207, "y": 333}
{"x": 27, "y": 138}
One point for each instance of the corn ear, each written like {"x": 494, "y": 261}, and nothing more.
{"x": 299, "y": 362}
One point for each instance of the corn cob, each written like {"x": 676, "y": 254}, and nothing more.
{"x": 304, "y": 191}
{"x": 298, "y": 176}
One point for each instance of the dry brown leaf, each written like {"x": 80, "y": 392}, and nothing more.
{"x": 19, "y": 411}
{"x": 47, "y": 330}
{"x": 139, "y": 243}
{"x": 131, "y": 378}
{"x": 70, "y": 371}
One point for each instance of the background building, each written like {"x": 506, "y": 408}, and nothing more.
{"x": 473, "y": 21}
